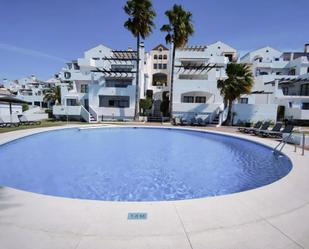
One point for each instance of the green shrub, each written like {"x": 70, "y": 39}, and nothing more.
{"x": 25, "y": 107}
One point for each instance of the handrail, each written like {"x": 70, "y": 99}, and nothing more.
{"x": 93, "y": 113}
{"x": 284, "y": 141}
{"x": 85, "y": 114}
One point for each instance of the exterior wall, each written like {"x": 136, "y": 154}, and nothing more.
{"x": 276, "y": 66}
{"x": 206, "y": 86}
{"x": 78, "y": 73}
{"x": 254, "y": 112}
{"x": 5, "y": 109}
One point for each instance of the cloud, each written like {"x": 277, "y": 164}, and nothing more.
{"x": 30, "y": 52}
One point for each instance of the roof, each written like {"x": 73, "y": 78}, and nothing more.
{"x": 287, "y": 56}
{"x": 160, "y": 45}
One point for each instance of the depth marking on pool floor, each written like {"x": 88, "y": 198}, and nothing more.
{"x": 137, "y": 216}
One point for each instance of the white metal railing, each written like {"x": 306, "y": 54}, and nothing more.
{"x": 94, "y": 113}
{"x": 85, "y": 114}
{"x": 278, "y": 148}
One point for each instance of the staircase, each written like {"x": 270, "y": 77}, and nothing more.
{"x": 215, "y": 121}
{"x": 92, "y": 118}
{"x": 156, "y": 113}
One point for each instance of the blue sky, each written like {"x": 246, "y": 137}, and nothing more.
{"x": 38, "y": 36}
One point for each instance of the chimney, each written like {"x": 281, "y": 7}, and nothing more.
{"x": 130, "y": 49}
{"x": 142, "y": 45}
{"x": 307, "y": 48}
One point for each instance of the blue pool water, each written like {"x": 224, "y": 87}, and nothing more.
{"x": 143, "y": 164}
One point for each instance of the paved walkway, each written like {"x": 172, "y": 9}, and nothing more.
{"x": 271, "y": 217}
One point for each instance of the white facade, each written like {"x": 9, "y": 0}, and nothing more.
{"x": 197, "y": 70}
{"x": 281, "y": 79}
{"x": 101, "y": 85}
{"x": 157, "y": 71}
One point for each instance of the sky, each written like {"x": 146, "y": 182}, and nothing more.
{"x": 39, "y": 36}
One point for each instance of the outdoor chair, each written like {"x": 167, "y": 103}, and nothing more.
{"x": 25, "y": 121}
{"x": 276, "y": 128}
{"x": 278, "y": 134}
{"x": 264, "y": 127}
{"x": 247, "y": 130}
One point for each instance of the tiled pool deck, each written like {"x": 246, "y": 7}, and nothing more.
{"x": 275, "y": 216}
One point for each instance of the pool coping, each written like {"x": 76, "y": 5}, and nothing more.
{"x": 272, "y": 216}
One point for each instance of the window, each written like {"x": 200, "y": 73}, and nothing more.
{"x": 285, "y": 90}
{"x": 243, "y": 100}
{"x": 160, "y": 57}
{"x": 290, "y": 104}
{"x": 160, "y": 66}
{"x": 155, "y": 66}
{"x": 155, "y": 57}
{"x": 96, "y": 58}
{"x": 307, "y": 69}
{"x": 305, "y": 106}
{"x": 188, "y": 99}
{"x": 84, "y": 88}
{"x": 122, "y": 83}
{"x": 276, "y": 59}
{"x": 165, "y": 58}
{"x": 292, "y": 71}
{"x": 200, "y": 99}
{"x": 67, "y": 75}
{"x": 72, "y": 102}
{"x": 164, "y": 66}
{"x": 76, "y": 66}
{"x": 304, "y": 90}
{"x": 114, "y": 101}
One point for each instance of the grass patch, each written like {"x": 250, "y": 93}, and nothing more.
{"x": 44, "y": 123}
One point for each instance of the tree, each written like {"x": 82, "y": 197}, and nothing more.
{"x": 239, "y": 81}
{"x": 53, "y": 95}
{"x": 179, "y": 29}
{"x": 165, "y": 104}
{"x": 145, "y": 104}
{"x": 141, "y": 25}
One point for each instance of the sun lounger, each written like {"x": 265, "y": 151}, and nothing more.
{"x": 276, "y": 128}
{"x": 25, "y": 121}
{"x": 2, "y": 123}
{"x": 246, "y": 129}
{"x": 184, "y": 121}
{"x": 264, "y": 127}
{"x": 278, "y": 134}
{"x": 193, "y": 121}
{"x": 9, "y": 123}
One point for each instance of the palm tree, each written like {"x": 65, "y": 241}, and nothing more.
{"x": 239, "y": 81}
{"x": 140, "y": 24}
{"x": 53, "y": 95}
{"x": 179, "y": 29}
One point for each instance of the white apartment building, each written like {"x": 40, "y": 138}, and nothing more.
{"x": 157, "y": 70}
{"x": 197, "y": 70}
{"x": 281, "y": 82}
{"x": 101, "y": 85}
{"x": 30, "y": 89}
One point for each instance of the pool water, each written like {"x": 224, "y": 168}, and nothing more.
{"x": 137, "y": 164}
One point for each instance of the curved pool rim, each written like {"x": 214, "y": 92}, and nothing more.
{"x": 38, "y": 131}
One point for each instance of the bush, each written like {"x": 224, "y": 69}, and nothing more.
{"x": 25, "y": 107}
{"x": 145, "y": 104}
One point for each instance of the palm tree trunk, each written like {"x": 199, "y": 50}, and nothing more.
{"x": 172, "y": 82}
{"x": 136, "y": 113}
{"x": 229, "y": 113}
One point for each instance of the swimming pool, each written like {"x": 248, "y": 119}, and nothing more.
{"x": 137, "y": 164}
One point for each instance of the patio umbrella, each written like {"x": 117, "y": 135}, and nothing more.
{"x": 11, "y": 99}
